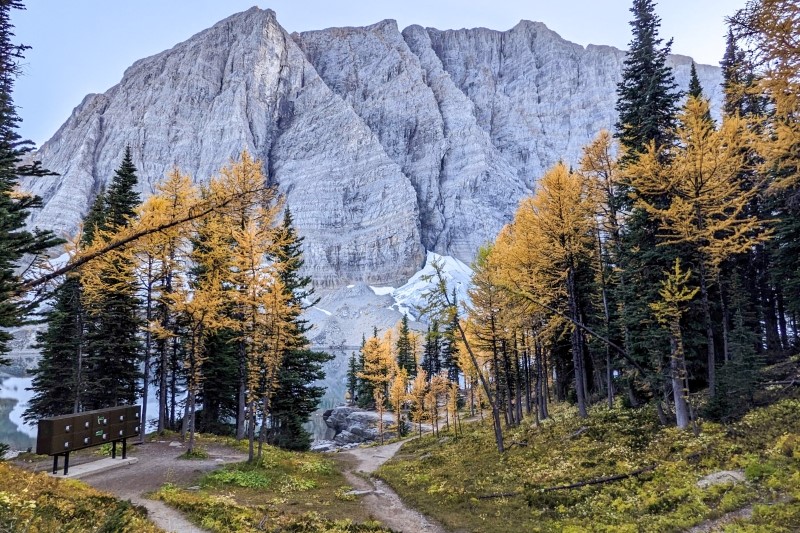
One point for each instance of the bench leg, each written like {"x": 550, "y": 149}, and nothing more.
{"x": 66, "y": 463}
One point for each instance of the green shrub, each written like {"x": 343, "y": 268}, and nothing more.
{"x": 251, "y": 478}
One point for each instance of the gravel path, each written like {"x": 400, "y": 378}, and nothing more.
{"x": 379, "y": 499}
{"x": 159, "y": 464}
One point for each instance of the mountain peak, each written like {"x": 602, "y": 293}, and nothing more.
{"x": 385, "y": 144}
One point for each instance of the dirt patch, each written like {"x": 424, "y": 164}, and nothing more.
{"x": 159, "y": 464}
{"x": 379, "y": 500}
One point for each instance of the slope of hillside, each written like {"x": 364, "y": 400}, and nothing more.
{"x": 615, "y": 471}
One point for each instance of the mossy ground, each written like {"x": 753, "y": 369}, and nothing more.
{"x": 38, "y": 503}
{"x": 285, "y": 491}
{"x": 447, "y": 478}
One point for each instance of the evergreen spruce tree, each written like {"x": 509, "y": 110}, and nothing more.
{"x": 647, "y": 96}
{"x": 695, "y": 89}
{"x": 15, "y": 241}
{"x": 763, "y": 261}
{"x": 405, "y": 356}
{"x": 95, "y": 219}
{"x": 352, "y": 377}
{"x": 449, "y": 348}
{"x": 57, "y": 378}
{"x": 364, "y": 388}
{"x": 220, "y": 386}
{"x": 61, "y": 379}
{"x": 113, "y": 345}
{"x": 122, "y": 198}
{"x": 431, "y": 357}
{"x": 297, "y": 396}
{"x": 647, "y": 105}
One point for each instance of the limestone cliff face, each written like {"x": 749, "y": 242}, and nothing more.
{"x": 385, "y": 143}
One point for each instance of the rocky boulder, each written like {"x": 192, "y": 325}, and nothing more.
{"x": 353, "y": 425}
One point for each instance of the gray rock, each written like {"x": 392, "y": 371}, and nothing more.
{"x": 385, "y": 143}
{"x": 359, "y": 492}
{"x": 721, "y": 477}
{"x": 323, "y": 446}
{"x": 353, "y": 426}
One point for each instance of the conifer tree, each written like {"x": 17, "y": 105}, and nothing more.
{"x": 398, "y": 394}
{"x": 364, "y": 388}
{"x": 701, "y": 204}
{"x": 405, "y": 358}
{"x": 15, "y": 240}
{"x": 419, "y": 389}
{"x": 158, "y": 256}
{"x": 121, "y": 197}
{"x": 562, "y": 215}
{"x": 647, "y": 98}
{"x": 431, "y": 361}
{"x": 380, "y": 367}
{"x": 647, "y": 101}
{"x": 675, "y": 294}
{"x": 112, "y": 342}
{"x": 449, "y": 346}
{"x": 767, "y": 31}
{"x": 297, "y": 396}
{"x": 695, "y": 89}
{"x": 352, "y": 377}
{"x": 57, "y": 379}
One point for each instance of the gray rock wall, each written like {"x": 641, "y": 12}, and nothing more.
{"x": 385, "y": 143}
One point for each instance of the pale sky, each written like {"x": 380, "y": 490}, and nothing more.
{"x": 84, "y": 46}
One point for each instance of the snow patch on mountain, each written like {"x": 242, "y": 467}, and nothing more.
{"x": 412, "y": 297}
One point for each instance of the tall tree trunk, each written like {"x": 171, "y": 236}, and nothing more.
{"x": 79, "y": 356}
{"x": 163, "y": 411}
{"x": 190, "y": 419}
{"x": 782, "y": 318}
{"x": 148, "y": 338}
{"x": 710, "y": 352}
{"x": 577, "y": 352}
{"x": 173, "y": 382}
{"x": 725, "y": 318}
{"x": 678, "y": 376}
{"x": 262, "y": 434}
{"x": 241, "y": 402}
{"x": 526, "y": 369}
{"x": 518, "y": 383}
{"x": 251, "y": 431}
{"x": 498, "y": 394}
{"x": 508, "y": 392}
{"x": 541, "y": 381}
{"x": 606, "y": 319}
{"x": 498, "y": 430}
{"x": 547, "y": 397}
{"x": 767, "y": 302}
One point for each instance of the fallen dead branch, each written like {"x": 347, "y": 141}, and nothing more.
{"x": 598, "y": 481}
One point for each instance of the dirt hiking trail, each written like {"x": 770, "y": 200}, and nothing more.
{"x": 158, "y": 464}
{"x": 376, "y": 496}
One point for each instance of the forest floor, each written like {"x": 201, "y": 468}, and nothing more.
{"x": 617, "y": 470}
